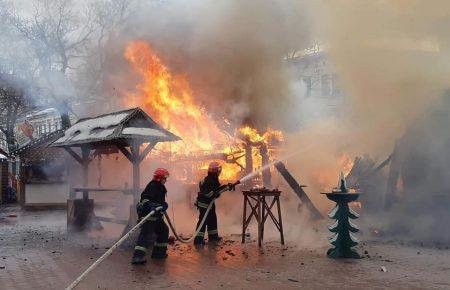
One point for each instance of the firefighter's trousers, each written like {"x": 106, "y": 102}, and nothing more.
{"x": 210, "y": 224}
{"x": 158, "y": 227}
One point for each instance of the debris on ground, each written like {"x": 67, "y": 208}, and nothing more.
{"x": 229, "y": 252}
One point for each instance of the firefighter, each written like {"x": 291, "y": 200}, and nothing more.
{"x": 153, "y": 196}
{"x": 209, "y": 189}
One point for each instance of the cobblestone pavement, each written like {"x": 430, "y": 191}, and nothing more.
{"x": 37, "y": 254}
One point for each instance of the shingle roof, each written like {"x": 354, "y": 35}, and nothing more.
{"x": 121, "y": 126}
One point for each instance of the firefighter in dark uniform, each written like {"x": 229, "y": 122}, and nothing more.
{"x": 209, "y": 189}
{"x": 153, "y": 196}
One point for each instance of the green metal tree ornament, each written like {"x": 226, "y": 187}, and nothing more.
{"x": 343, "y": 240}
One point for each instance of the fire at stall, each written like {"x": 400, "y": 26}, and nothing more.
{"x": 205, "y": 137}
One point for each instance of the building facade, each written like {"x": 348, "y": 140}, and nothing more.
{"x": 317, "y": 86}
{"x": 37, "y": 124}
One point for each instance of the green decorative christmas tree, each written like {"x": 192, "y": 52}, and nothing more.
{"x": 343, "y": 240}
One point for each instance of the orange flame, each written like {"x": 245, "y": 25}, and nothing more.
{"x": 169, "y": 99}
{"x": 346, "y": 162}
{"x": 268, "y": 137}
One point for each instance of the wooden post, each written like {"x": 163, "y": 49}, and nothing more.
{"x": 266, "y": 176}
{"x": 248, "y": 163}
{"x": 135, "y": 157}
{"x": 279, "y": 219}
{"x": 297, "y": 188}
{"x": 85, "y": 152}
{"x": 136, "y": 169}
{"x": 259, "y": 221}
{"x": 244, "y": 218}
{"x": 263, "y": 214}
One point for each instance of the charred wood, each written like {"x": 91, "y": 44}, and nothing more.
{"x": 298, "y": 190}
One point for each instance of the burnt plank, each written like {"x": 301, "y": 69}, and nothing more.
{"x": 298, "y": 190}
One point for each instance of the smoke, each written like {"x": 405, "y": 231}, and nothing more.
{"x": 231, "y": 52}
{"x": 390, "y": 57}
{"x": 392, "y": 60}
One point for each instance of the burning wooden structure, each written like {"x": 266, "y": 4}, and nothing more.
{"x": 127, "y": 131}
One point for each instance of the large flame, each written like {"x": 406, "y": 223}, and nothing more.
{"x": 270, "y": 136}
{"x": 169, "y": 100}
{"x": 346, "y": 162}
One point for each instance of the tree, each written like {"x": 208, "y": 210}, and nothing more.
{"x": 58, "y": 36}
{"x": 56, "y": 32}
{"x": 109, "y": 18}
{"x": 69, "y": 44}
{"x": 53, "y": 47}
{"x": 13, "y": 103}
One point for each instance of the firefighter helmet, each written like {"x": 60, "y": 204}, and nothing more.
{"x": 214, "y": 167}
{"x": 160, "y": 173}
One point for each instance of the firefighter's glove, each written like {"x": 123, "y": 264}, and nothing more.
{"x": 165, "y": 206}
{"x": 231, "y": 187}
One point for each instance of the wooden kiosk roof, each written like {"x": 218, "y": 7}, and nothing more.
{"x": 117, "y": 128}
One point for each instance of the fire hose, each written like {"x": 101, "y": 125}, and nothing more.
{"x": 186, "y": 241}
{"x": 144, "y": 219}
{"x": 107, "y": 253}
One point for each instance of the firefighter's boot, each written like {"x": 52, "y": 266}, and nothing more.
{"x": 213, "y": 236}
{"x": 199, "y": 241}
{"x": 138, "y": 257}
{"x": 159, "y": 251}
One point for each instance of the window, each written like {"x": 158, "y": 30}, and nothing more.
{"x": 326, "y": 85}
{"x": 336, "y": 89}
{"x": 308, "y": 85}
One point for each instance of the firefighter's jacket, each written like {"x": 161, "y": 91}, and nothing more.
{"x": 209, "y": 189}
{"x": 153, "y": 196}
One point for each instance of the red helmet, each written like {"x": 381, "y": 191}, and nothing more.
{"x": 160, "y": 173}
{"x": 214, "y": 167}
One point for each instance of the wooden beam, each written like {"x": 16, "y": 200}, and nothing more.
{"x": 382, "y": 165}
{"x": 147, "y": 150}
{"x": 126, "y": 153}
{"x": 136, "y": 168}
{"x": 74, "y": 155}
{"x": 394, "y": 174}
{"x": 298, "y": 190}
{"x": 85, "y": 152}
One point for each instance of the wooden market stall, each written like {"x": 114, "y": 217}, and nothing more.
{"x": 43, "y": 173}
{"x": 128, "y": 131}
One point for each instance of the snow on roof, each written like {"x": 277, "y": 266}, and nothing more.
{"x": 96, "y": 128}
{"x": 143, "y": 132}
{"x": 122, "y": 125}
